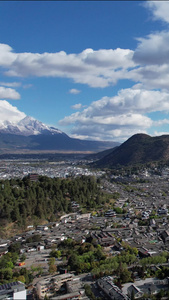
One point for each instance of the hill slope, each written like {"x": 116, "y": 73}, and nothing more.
{"x": 138, "y": 149}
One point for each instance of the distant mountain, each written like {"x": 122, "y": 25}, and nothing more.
{"x": 28, "y": 126}
{"x": 31, "y": 135}
{"x": 138, "y": 149}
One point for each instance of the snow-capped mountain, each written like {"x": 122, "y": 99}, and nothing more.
{"x": 29, "y": 134}
{"x": 28, "y": 126}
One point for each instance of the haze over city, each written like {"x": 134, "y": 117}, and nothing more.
{"x": 96, "y": 70}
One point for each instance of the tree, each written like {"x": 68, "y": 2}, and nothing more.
{"x": 125, "y": 276}
{"x": 52, "y": 266}
{"x": 21, "y": 278}
{"x": 23, "y": 257}
{"x": 15, "y": 247}
{"x": 55, "y": 253}
{"x": 52, "y": 269}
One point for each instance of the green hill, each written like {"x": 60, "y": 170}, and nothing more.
{"x": 138, "y": 149}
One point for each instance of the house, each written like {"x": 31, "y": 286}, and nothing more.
{"x": 143, "y": 253}
{"x": 83, "y": 216}
{"x": 3, "y": 243}
{"x": 40, "y": 247}
{"x": 110, "y": 289}
{"x": 42, "y": 227}
{"x": 164, "y": 235}
{"x": 149, "y": 286}
{"x": 13, "y": 290}
{"x": 33, "y": 177}
{"x": 135, "y": 291}
{"x": 110, "y": 213}
{"x": 105, "y": 239}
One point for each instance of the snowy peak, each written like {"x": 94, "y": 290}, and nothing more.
{"x": 28, "y": 126}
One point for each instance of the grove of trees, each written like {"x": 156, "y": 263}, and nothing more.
{"x": 47, "y": 197}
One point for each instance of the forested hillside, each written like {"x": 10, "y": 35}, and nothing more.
{"x": 138, "y": 149}
{"x": 46, "y": 198}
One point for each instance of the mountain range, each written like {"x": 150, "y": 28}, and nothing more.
{"x": 30, "y": 134}
{"x": 138, "y": 149}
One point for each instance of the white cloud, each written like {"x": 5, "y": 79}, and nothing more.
{"x": 154, "y": 49}
{"x": 8, "y": 93}
{"x": 159, "y": 133}
{"x": 74, "y": 91}
{"x": 99, "y": 68}
{"x": 7, "y": 58}
{"x": 109, "y": 118}
{"x": 102, "y": 134}
{"x": 118, "y": 58}
{"x": 10, "y": 112}
{"x": 161, "y": 122}
{"x": 160, "y": 9}
{"x": 77, "y": 106}
{"x": 11, "y": 84}
{"x": 116, "y": 117}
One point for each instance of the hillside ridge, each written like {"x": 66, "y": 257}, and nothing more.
{"x": 138, "y": 149}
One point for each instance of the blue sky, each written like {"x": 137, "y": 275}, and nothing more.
{"x": 94, "y": 69}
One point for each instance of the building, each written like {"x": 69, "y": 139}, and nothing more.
{"x": 13, "y": 290}
{"x": 135, "y": 291}
{"x": 51, "y": 284}
{"x": 33, "y": 177}
{"x": 110, "y": 213}
{"x": 105, "y": 239}
{"x": 42, "y": 227}
{"x": 149, "y": 286}
{"x": 110, "y": 289}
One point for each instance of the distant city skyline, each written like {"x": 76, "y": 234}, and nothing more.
{"x": 96, "y": 70}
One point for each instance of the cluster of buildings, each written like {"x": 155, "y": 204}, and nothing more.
{"x": 20, "y": 168}
{"x": 72, "y": 285}
{"x": 143, "y": 224}
{"x": 136, "y": 290}
{"x": 79, "y": 226}
{"x": 13, "y": 290}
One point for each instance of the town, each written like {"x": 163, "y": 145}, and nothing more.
{"x": 62, "y": 167}
{"x": 124, "y": 245}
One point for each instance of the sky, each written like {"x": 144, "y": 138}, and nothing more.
{"x": 97, "y": 70}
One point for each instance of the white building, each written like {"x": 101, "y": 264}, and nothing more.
{"x": 13, "y": 290}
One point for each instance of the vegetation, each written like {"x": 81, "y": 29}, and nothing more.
{"x": 9, "y": 272}
{"x": 46, "y": 198}
{"x": 89, "y": 293}
{"x": 140, "y": 149}
{"x": 90, "y": 257}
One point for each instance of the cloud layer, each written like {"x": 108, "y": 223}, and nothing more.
{"x": 146, "y": 68}
{"x": 119, "y": 116}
